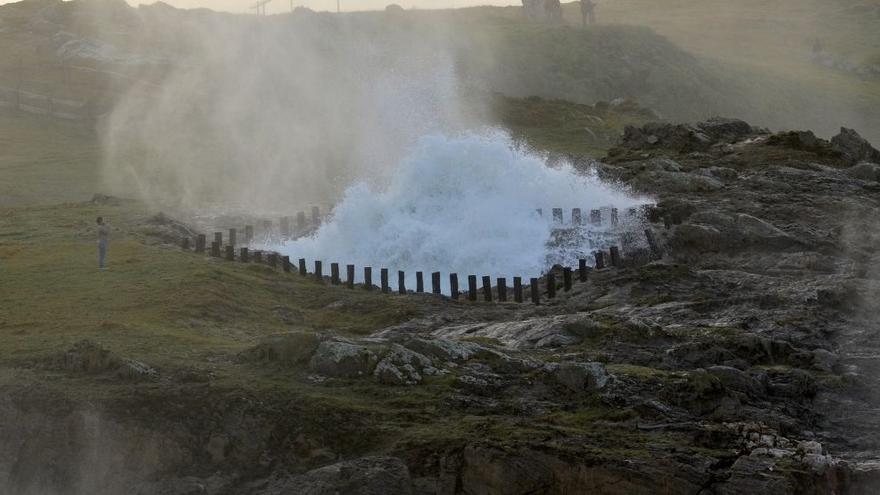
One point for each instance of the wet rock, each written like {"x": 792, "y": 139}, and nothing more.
{"x": 294, "y": 348}
{"x": 824, "y": 360}
{"x": 754, "y": 474}
{"x": 726, "y": 130}
{"x": 89, "y": 357}
{"x": 579, "y": 377}
{"x": 757, "y": 231}
{"x": 525, "y": 334}
{"x": 865, "y": 171}
{"x": 720, "y": 173}
{"x": 854, "y": 147}
{"x": 446, "y": 349}
{"x": 402, "y": 366}
{"x": 365, "y": 476}
{"x": 341, "y": 359}
{"x": 676, "y": 182}
{"x": 736, "y": 380}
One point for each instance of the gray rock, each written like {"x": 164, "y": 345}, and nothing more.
{"x": 736, "y": 380}
{"x": 579, "y": 377}
{"x": 342, "y": 359}
{"x": 755, "y": 230}
{"x": 531, "y": 333}
{"x": 402, "y": 366}
{"x": 292, "y": 348}
{"x": 824, "y": 360}
{"x": 678, "y": 182}
{"x": 720, "y": 173}
{"x": 865, "y": 171}
{"x": 445, "y": 349}
{"x": 365, "y": 476}
{"x": 854, "y": 147}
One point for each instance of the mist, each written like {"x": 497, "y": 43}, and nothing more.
{"x": 275, "y": 115}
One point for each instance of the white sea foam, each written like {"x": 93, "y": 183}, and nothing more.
{"x": 464, "y": 204}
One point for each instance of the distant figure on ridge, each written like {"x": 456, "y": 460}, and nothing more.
{"x": 588, "y": 12}
{"x": 103, "y": 240}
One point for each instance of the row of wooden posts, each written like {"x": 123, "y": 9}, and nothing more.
{"x": 577, "y": 216}
{"x": 286, "y": 223}
{"x": 245, "y": 255}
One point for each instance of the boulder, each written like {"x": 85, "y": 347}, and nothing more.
{"x": 551, "y": 331}
{"x": 676, "y": 182}
{"x": 726, "y": 130}
{"x": 364, "y": 476}
{"x": 579, "y": 377}
{"x": 294, "y": 348}
{"x": 402, "y": 366}
{"x": 865, "y": 171}
{"x": 854, "y": 147}
{"x": 445, "y": 349}
{"x": 336, "y": 358}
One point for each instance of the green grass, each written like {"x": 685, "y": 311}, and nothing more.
{"x": 44, "y": 161}
{"x": 154, "y": 303}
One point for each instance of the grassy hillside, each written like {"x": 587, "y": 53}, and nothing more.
{"x": 45, "y": 162}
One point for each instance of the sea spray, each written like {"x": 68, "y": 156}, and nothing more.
{"x": 464, "y": 204}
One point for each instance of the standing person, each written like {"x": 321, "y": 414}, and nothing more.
{"x": 588, "y": 12}
{"x": 103, "y": 240}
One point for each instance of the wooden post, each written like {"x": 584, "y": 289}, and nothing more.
{"x": 582, "y": 270}
{"x": 243, "y": 255}
{"x": 420, "y": 282}
{"x": 349, "y": 269}
{"x": 383, "y": 274}
{"x": 596, "y": 217}
{"x": 600, "y": 260}
{"x": 551, "y": 285}
{"x": 652, "y": 243}
{"x": 248, "y": 234}
{"x": 215, "y": 249}
{"x": 615, "y": 257}
{"x": 184, "y": 244}
{"x": 200, "y": 243}
{"x": 233, "y": 234}
{"x": 316, "y": 216}
{"x": 576, "y": 216}
{"x": 302, "y": 267}
{"x": 472, "y": 287}
{"x": 487, "y": 288}
{"x": 301, "y": 221}
{"x": 536, "y": 292}
{"x": 230, "y": 253}
{"x": 334, "y": 274}
{"x": 368, "y": 278}
{"x": 401, "y": 282}
{"x": 258, "y": 256}
{"x": 435, "y": 282}
{"x": 502, "y": 289}
{"x": 273, "y": 260}
{"x": 566, "y": 278}
{"x": 285, "y": 263}
{"x": 517, "y": 289}
{"x": 218, "y": 238}
{"x": 453, "y": 285}
{"x": 319, "y": 271}
{"x": 557, "y": 215}
{"x": 615, "y": 217}
{"x": 285, "y": 227}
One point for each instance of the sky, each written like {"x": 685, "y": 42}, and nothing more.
{"x": 279, "y": 6}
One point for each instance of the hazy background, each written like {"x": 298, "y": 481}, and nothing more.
{"x": 280, "y": 6}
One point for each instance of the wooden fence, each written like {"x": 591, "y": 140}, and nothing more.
{"x": 238, "y": 249}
